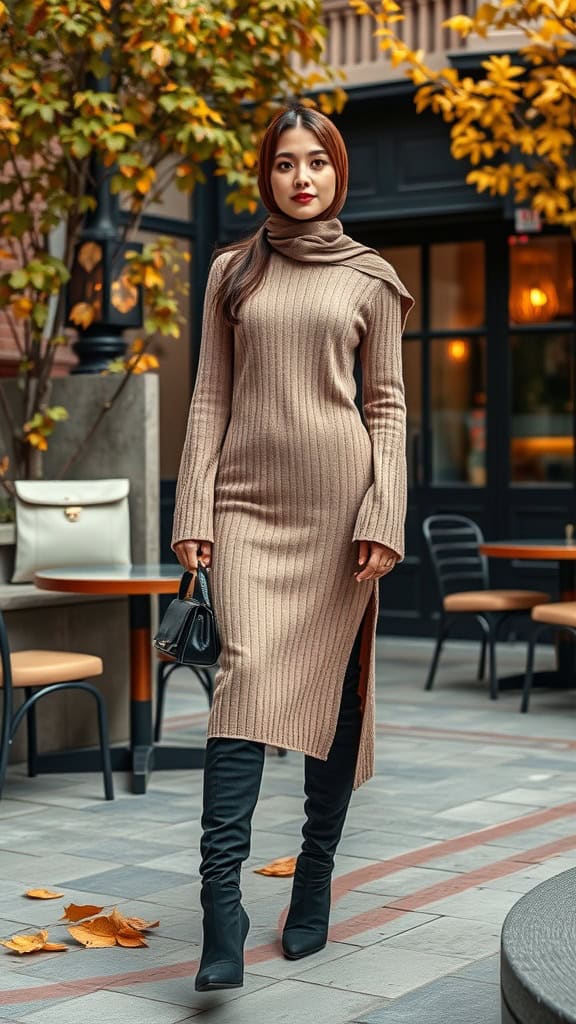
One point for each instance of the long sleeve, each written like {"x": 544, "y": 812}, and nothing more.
{"x": 383, "y": 510}
{"x": 207, "y": 423}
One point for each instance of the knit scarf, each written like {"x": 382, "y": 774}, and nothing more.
{"x": 324, "y": 241}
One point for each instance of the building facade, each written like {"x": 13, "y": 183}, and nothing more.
{"x": 489, "y": 349}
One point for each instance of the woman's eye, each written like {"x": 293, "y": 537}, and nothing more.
{"x": 319, "y": 163}
{"x": 284, "y": 166}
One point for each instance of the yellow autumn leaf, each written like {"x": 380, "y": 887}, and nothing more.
{"x": 152, "y": 278}
{"x": 142, "y": 363}
{"x": 35, "y": 943}
{"x": 77, "y": 912}
{"x": 37, "y": 440}
{"x": 82, "y": 314}
{"x": 5, "y": 254}
{"x": 146, "y": 180}
{"x": 44, "y": 894}
{"x": 282, "y": 867}
{"x": 124, "y": 128}
{"x": 21, "y": 306}
{"x": 161, "y": 55}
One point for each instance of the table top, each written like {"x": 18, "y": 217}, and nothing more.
{"x": 105, "y": 579}
{"x": 537, "y": 550}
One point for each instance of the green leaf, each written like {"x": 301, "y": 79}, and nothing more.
{"x": 18, "y": 279}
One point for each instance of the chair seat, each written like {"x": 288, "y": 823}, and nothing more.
{"x": 40, "y": 668}
{"x": 561, "y": 613}
{"x": 163, "y": 657}
{"x": 494, "y": 600}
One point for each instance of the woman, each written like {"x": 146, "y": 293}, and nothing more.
{"x": 283, "y": 492}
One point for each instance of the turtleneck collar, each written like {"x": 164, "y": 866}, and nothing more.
{"x": 324, "y": 241}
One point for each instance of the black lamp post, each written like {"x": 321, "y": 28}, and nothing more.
{"x": 100, "y": 278}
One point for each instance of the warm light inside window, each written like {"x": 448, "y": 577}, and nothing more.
{"x": 458, "y": 350}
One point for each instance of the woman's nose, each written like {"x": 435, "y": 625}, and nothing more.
{"x": 301, "y": 179}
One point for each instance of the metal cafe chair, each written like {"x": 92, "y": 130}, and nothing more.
{"x": 39, "y": 673}
{"x": 557, "y": 615}
{"x": 164, "y": 670}
{"x": 464, "y": 588}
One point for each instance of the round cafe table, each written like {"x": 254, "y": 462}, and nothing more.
{"x": 139, "y": 583}
{"x": 563, "y": 552}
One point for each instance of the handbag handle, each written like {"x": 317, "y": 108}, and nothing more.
{"x": 194, "y": 586}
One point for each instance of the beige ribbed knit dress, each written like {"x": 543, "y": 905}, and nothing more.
{"x": 280, "y": 473}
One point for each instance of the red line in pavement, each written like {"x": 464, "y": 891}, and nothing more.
{"x": 481, "y": 837}
{"x": 555, "y": 743}
{"x": 268, "y": 951}
{"x": 450, "y": 887}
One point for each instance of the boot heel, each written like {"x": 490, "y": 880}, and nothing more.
{"x": 226, "y": 925}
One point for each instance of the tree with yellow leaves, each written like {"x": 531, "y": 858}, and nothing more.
{"x": 516, "y": 121}
{"x": 147, "y": 91}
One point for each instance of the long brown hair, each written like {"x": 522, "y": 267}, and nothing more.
{"x": 245, "y": 270}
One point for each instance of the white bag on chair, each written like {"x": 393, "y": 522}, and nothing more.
{"x": 66, "y": 523}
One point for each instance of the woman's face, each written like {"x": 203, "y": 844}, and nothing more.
{"x": 303, "y": 179}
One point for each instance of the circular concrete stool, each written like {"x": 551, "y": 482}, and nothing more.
{"x": 538, "y": 960}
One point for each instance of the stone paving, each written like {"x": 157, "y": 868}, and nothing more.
{"x": 473, "y": 804}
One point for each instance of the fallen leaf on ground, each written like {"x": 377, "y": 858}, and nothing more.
{"x": 135, "y": 923}
{"x": 33, "y": 943}
{"x": 95, "y": 934}
{"x": 282, "y": 867}
{"x": 74, "y": 912}
{"x": 130, "y": 937}
{"x": 44, "y": 894}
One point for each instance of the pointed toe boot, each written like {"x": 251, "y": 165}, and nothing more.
{"x": 328, "y": 786}
{"x": 226, "y": 926}
{"x": 232, "y": 776}
{"x": 306, "y": 928}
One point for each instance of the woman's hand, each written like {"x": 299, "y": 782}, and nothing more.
{"x": 190, "y": 552}
{"x": 376, "y": 559}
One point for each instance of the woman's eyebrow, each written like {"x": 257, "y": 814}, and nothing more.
{"x": 313, "y": 152}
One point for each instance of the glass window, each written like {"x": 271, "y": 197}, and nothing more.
{"x": 457, "y": 286}
{"x": 541, "y": 279}
{"x": 458, "y": 410}
{"x": 412, "y": 366}
{"x": 407, "y": 262}
{"x": 542, "y": 442}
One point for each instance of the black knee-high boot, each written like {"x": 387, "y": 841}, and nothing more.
{"x": 328, "y": 787}
{"x": 232, "y": 776}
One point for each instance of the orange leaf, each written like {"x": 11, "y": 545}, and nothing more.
{"x": 89, "y": 256}
{"x": 97, "y": 933}
{"x": 131, "y": 923}
{"x": 82, "y": 314}
{"x": 32, "y": 943}
{"x": 21, "y": 306}
{"x": 130, "y": 937}
{"x": 43, "y": 894}
{"x": 75, "y": 912}
{"x": 282, "y": 867}
{"x": 140, "y": 925}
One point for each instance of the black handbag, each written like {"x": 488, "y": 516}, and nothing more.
{"x": 188, "y": 632}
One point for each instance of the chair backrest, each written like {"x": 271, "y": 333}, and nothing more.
{"x": 7, "y": 697}
{"x": 453, "y": 545}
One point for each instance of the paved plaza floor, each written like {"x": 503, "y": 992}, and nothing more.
{"x": 473, "y": 805}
